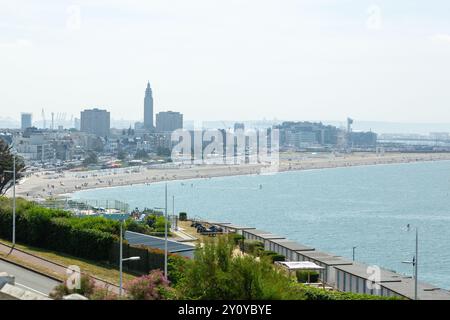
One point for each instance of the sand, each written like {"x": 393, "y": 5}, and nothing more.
{"x": 40, "y": 185}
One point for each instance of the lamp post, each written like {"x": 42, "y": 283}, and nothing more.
{"x": 174, "y": 222}
{"x": 165, "y": 231}
{"x": 415, "y": 262}
{"x": 14, "y": 201}
{"x": 121, "y": 260}
{"x": 353, "y": 249}
{"x": 165, "y": 235}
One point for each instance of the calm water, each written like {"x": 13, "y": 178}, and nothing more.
{"x": 331, "y": 210}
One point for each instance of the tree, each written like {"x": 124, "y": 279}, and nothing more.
{"x": 163, "y": 152}
{"x": 141, "y": 154}
{"x": 217, "y": 273}
{"x": 121, "y": 155}
{"x": 7, "y": 164}
{"x": 87, "y": 287}
{"x": 92, "y": 158}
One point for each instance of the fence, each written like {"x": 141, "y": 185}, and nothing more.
{"x": 78, "y": 205}
{"x": 150, "y": 259}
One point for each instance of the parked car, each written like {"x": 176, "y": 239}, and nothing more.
{"x": 216, "y": 229}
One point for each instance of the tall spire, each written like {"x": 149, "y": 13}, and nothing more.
{"x": 148, "y": 107}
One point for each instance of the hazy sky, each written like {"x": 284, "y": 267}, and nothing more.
{"x": 242, "y": 59}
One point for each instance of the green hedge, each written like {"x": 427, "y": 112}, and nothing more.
{"x": 252, "y": 246}
{"x": 272, "y": 255}
{"x": 89, "y": 237}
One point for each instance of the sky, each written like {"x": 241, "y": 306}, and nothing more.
{"x": 386, "y": 60}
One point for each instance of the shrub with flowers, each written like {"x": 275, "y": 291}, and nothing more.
{"x": 153, "y": 286}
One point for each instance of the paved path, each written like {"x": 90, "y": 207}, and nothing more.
{"x": 29, "y": 280}
{"x": 55, "y": 269}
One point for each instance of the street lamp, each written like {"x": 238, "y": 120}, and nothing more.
{"x": 175, "y": 225}
{"x": 353, "y": 249}
{"x": 165, "y": 231}
{"x": 121, "y": 260}
{"x": 14, "y": 201}
{"x": 415, "y": 262}
{"x": 165, "y": 235}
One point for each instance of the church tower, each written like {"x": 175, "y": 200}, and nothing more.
{"x": 148, "y": 108}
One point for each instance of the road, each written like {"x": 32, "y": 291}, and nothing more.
{"x": 27, "y": 279}
{"x": 55, "y": 269}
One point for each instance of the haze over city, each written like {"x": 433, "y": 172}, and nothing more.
{"x": 219, "y": 150}
{"x": 304, "y": 60}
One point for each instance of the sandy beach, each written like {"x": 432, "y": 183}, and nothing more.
{"x": 40, "y": 185}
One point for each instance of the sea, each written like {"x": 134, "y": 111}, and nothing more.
{"x": 331, "y": 210}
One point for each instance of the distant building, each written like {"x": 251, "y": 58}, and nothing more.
{"x": 26, "y": 120}
{"x": 148, "y": 108}
{"x": 306, "y": 134}
{"x": 169, "y": 121}
{"x": 95, "y": 121}
{"x": 301, "y": 139}
{"x": 76, "y": 123}
{"x": 138, "y": 126}
{"x": 6, "y": 137}
{"x": 363, "y": 139}
{"x": 239, "y": 126}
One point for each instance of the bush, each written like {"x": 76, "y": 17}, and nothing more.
{"x": 302, "y": 276}
{"x": 176, "y": 268}
{"x": 150, "y": 287}
{"x": 103, "y": 294}
{"x": 216, "y": 274}
{"x": 252, "y": 247}
{"x": 237, "y": 238}
{"x": 312, "y": 293}
{"x": 134, "y": 226}
{"x": 272, "y": 255}
{"x": 87, "y": 287}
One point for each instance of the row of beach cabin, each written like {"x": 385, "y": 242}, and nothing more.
{"x": 340, "y": 273}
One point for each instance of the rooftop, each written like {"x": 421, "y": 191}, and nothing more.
{"x": 157, "y": 243}
{"x": 362, "y": 270}
{"x": 291, "y": 245}
{"x": 325, "y": 258}
{"x": 263, "y": 234}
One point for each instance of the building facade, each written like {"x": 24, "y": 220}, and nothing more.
{"x": 95, "y": 121}
{"x": 148, "y": 108}
{"x": 169, "y": 121}
{"x": 26, "y": 120}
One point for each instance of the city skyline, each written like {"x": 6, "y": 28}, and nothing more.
{"x": 305, "y": 60}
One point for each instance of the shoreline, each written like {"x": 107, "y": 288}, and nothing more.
{"x": 39, "y": 186}
{"x": 249, "y": 174}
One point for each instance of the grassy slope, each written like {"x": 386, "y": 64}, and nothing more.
{"x": 99, "y": 270}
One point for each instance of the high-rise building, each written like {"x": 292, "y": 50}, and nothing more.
{"x": 148, "y": 108}
{"x": 169, "y": 121}
{"x": 95, "y": 121}
{"x": 26, "y": 121}
{"x": 239, "y": 126}
{"x": 76, "y": 123}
